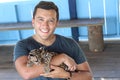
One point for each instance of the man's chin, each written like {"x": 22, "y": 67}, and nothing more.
{"x": 44, "y": 37}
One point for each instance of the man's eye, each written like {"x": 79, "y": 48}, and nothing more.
{"x": 40, "y": 19}
{"x": 51, "y": 21}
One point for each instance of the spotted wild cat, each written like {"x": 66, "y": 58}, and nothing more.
{"x": 41, "y": 56}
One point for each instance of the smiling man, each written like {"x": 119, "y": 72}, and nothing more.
{"x": 45, "y": 20}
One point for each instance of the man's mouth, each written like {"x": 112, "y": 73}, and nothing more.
{"x": 44, "y": 31}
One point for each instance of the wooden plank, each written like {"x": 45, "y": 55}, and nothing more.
{"x": 62, "y": 24}
{"x": 81, "y": 22}
{"x": 16, "y": 26}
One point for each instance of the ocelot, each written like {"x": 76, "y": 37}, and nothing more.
{"x": 41, "y": 56}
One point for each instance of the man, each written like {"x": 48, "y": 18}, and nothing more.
{"x": 45, "y": 20}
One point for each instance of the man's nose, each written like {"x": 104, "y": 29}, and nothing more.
{"x": 45, "y": 23}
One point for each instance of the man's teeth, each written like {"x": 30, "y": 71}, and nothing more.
{"x": 44, "y": 30}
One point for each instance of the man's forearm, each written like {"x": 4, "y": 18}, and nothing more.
{"x": 81, "y": 76}
{"x": 27, "y": 72}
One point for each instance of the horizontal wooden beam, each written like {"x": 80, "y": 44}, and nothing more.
{"x": 62, "y": 24}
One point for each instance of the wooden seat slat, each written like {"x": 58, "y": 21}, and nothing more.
{"x": 62, "y": 24}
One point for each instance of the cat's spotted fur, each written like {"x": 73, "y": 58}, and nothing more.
{"x": 40, "y": 56}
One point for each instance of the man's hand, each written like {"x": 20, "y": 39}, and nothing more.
{"x": 63, "y": 58}
{"x": 56, "y": 73}
{"x": 70, "y": 63}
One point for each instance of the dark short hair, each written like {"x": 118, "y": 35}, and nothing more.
{"x": 46, "y": 5}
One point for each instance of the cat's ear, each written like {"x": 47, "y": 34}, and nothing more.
{"x": 40, "y": 48}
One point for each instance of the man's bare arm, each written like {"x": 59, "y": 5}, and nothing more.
{"x": 27, "y": 72}
{"x": 63, "y": 58}
{"x": 84, "y": 73}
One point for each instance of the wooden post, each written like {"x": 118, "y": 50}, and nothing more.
{"x": 96, "y": 42}
{"x": 73, "y": 15}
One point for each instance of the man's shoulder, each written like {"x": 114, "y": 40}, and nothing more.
{"x": 66, "y": 40}
{"x": 60, "y": 37}
{"x": 25, "y": 41}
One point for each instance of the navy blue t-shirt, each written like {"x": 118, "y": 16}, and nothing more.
{"x": 61, "y": 45}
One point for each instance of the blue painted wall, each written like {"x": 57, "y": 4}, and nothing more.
{"x": 107, "y": 9}
{"x": 7, "y": 13}
{"x": 12, "y": 12}
{"x": 111, "y": 17}
{"x": 22, "y": 12}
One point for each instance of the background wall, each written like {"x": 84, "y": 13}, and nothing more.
{"x": 12, "y": 12}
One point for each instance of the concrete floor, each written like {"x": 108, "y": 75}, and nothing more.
{"x": 105, "y": 65}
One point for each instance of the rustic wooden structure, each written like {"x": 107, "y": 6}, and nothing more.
{"x": 96, "y": 43}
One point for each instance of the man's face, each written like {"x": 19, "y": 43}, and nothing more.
{"x": 44, "y": 23}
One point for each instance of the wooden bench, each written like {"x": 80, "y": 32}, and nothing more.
{"x": 95, "y": 33}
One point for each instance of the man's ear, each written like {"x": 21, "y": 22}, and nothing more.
{"x": 33, "y": 23}
{"x": 57, "y": 23}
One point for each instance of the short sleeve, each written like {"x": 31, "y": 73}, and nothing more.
{"x": 79, "y": 55}
{"x": 20, "y": 50}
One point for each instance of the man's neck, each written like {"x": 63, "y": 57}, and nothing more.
{"x": 46, "y": 42}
